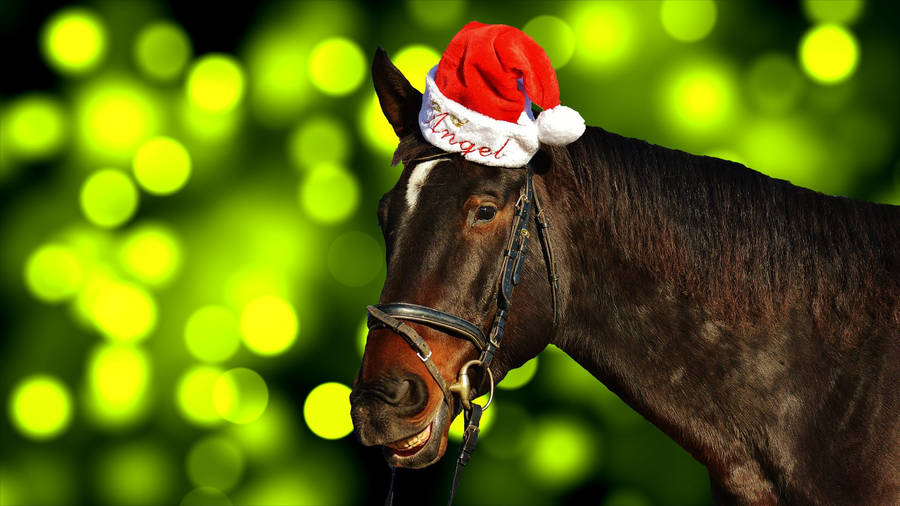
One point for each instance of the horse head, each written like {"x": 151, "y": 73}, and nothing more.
{"x": 447, "y": 225}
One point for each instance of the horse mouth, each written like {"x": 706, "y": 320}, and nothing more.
{"x": 422, "y": 448}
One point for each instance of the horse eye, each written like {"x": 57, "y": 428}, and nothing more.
{"x": 485, "y": 214}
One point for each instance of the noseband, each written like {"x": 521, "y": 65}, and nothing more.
{"x": 394, "y": 315}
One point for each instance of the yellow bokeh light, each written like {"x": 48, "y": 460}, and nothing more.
{"x": 118, "y": 384}
{"x": 277, "y": 66}
{"x": 337, "y": 66}
{"x": 329, "y": 194}
{"x": 151, "y": 253}
{"x": 355, "y": 259}
{"x": 161, "y": 50}
{"x": 215, "y": 461}
{"x": 162, "y": 166}
{"x": 699, "y": 99}
{"x": 362, "y": 335}
{"x": 520, "y": 376}
{"x": 54, "y": 273}
{"x": 123, "y": 311}
{"x": 215, "y": 83}
{"x": 833, "y": 11}
{"x": 240, "y": 395}
{"x": 374, "y": 127}
{"x": 319, "y": 140}
{"x": 74, "y": 40}
{"x": 457, "y": 426}
{"x": 562, "y": 452}
{"x": 211, "y": 128}
{"x": 688, "y": 20}
{"x": 269, "y": 325}
{"x": 327, "y": 411}
{"x": 212, "y": 334}
{"x": 34, "y": 127}
{"x": 194, "y": 395}
{"x": 108, "y": 198}
{"x": 829, "y": 53}
{"x": 40, "y": 407}
{"x": 114, "y": 116}
{"x": 555, "y": 36}
{"x": 604, "y": 34}
{"x": 415, "y": 61}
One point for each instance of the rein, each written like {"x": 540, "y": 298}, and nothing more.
{"x": 395, "y": 315}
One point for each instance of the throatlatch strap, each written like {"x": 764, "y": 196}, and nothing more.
{"x": 470, "y": 438}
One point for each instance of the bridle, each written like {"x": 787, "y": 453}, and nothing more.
{"x": 394, "y": 315}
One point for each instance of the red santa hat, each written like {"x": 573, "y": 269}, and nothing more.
{"x": 478, "y": 98}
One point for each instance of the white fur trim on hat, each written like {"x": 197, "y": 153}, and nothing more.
{"x": 559, "y": 125}
{"x": 456, "y": 129}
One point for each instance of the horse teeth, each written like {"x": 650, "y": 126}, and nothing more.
{"x": 413, "y": 441}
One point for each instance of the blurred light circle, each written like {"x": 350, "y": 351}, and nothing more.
{"x": 688, "y": 20}
{"x": 277, "y": 65}
{"x": 35, "y": 127}
{"x": 436, "y": 13}
{"x": 457, "y": 426}
{"x": 337, "y": 66}
{"x": 562, "y": 452}
{"x": 108, "y": 198}
{"x": 123, "y": 311}
{"x": 829, "y": 53}
{"x": 135, "y": 473}
{"x": 269, "y": 325}
{"x": 194, "y": 395}
{"x": 54, "y": 273}
{"x": 151, "y": 253}
{"x": 354, "y": 259}
{"x": 161, "y": 50}
{"x": 319, "y": 140}
{"x": 329, "y": 194}
{"x": 118, "y": 384}
{"x": 327, "y": 411}
{"x": 520, "y": 376}
{"x": 215, "y": 462}
{"x": 699, "y": 99}
{"x": 240, "y": 395}
{"x": 74, "y": 40}
{"x": 415, "y": 61}
{"x": 114, "y": 116}
{"x": 215, "y": 83}
{"x": 375, "y": 128}
{"x": 774, "y": 83}
{"x": 604, "y": 34}
{"x": 205, "y": 496}
{"x": 833, "y": 11}
{"x": 212, "y": 334}
{"x": 555, "y": 36}
{"x": 162, "y": 166}
{"x": 362, "y": 335}
{"x": 40, "y": 407}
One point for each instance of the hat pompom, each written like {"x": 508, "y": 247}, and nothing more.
{"x": 559, "y": 125}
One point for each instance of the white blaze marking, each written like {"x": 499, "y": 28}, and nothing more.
{"x": 417, "y": 180}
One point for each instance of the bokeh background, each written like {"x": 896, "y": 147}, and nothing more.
{"x": 187, "y": 220}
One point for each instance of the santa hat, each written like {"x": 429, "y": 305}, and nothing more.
{"x": 478, "y": 98}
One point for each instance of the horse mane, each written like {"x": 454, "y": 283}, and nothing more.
{"x": 745, "y": 244}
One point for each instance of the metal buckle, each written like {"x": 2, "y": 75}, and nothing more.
{"x": 423, "y": 359}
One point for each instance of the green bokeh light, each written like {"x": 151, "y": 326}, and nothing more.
{"x": 829, "y": 53}
{"x": 437, "y": 14}
{"x": 329, "y": 194}
{"x": 337, "y": 66}
{"x": 774, "y": 83}
{"x": 194, "y": 395}
{"x": 212, "y": 334}
{"x": 374, "y": 127}
{"x": 136, "y": 473}
{"x": 562, "y": 453}
{"x": 151, "y": 253}
{"x": 114, "y": 116}
{"x": 162, "y": 166}
{"x": 269, "y": 325}
{"x": 415, "y": 61}
{"x": 833, "y": 11}
{"x": 54, "y": 273}
{"x": 209, "y": 127}
{"x": 272, "y": 436}
{"x": 205, "y": 496}
{"x": 277, "y": 62}
{"x": 215, "y": 461}
{"x": 605, "y": 34}
{"x": 355, "y": 259}
{"x": 362, "y": 334}
{"x": 118, "y": 382}
{"x": 73, "y": 41}
{"x": 123, "y": 311}
{"x": 512, "y": 433}
{"x": 790, "y": 149}
{"x": 161, "y": 50}
{"x": 555, "y": 36}
{"x": 319, "y": 140}
{"x": 688, "y": 20}
{"x": 240, "y": 395}
{"x": 34, "y": 127}
{"x": 327, "y": 411}
{"x": 626, "y": 497}
{"x": 108, "y": 198}
{"x": 215, "y": 83}
{"x": 699, "y": 99}
{"x": 40, "y": 407}
{"x": 457, "y": 426}
{"x": 520, "y": 376}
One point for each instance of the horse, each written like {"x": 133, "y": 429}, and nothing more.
{"x": 754, "y": 322}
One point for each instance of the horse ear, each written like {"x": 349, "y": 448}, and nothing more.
{"x": 400, "y": 102}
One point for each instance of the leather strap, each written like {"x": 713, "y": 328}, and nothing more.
{"x": 436, "y": 318}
